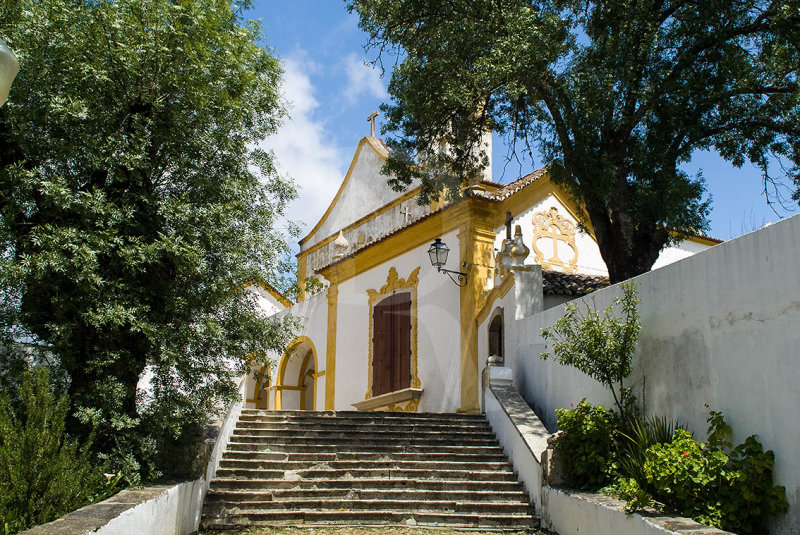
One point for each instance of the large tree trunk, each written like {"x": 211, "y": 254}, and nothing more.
{"x": 628, "y": 250}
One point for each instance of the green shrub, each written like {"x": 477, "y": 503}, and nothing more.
{"x": 729, "y": 490}
{"x": 587, "y": 444}
{"x": 43, "y": 474}
{"x": 640, "y": 435}
{"x": 600, "y": 345}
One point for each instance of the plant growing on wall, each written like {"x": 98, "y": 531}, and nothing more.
{"x": 713, "y": 482}
{"x": 600, "y": 344}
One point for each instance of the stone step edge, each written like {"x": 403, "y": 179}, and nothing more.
{"x": 239, "y": 494}
{"x": 362, "y": 414}
{"x": 248, "y": 464}
{"x": 314, "y": 504}
{"x": 403, "y": 481}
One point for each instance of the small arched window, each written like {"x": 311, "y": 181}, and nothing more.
{"x": 496, "y": 336}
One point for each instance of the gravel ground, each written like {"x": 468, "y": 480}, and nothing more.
{"x": 358, "y": 530}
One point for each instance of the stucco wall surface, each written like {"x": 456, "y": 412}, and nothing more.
{"x": 438, "y": 343}
{"x": 719, "y": 328}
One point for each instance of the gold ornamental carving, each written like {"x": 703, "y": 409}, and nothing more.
{"x": 395, "y": 283}
{"x": 553, "y": 226}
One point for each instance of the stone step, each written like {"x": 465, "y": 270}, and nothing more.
{"x": 364, "y": 456}
{"x": 364, "y": 418}
{"x": 359, "y": 448}
{"x": 489, "y": 495}
{"x": 363, "y": 434}
{"x": 377, "y": 425}
{"x": 356, "y": 415}
{"x": 365, "y": 468}
{"x": 305, "y": 504}
{"x": 220, "y": 483}
{"x": 369, "y": 473}
{"x": 250, "y": 464}
{"x": 378, "y": 517}
{"x": 374, "y": 440}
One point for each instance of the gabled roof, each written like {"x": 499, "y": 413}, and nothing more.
{"x": 374, "y": 144}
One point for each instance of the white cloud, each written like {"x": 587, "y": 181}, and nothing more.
{"x": 362, "y": 79}
{"x": 303, "y": 148}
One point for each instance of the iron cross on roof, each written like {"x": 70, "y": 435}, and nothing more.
{"x": 371, "y": 121}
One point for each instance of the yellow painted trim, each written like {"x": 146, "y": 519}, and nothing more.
{"x": 263, "y": 372}
{"x": 476, "y": 248}
{"x": 301, "y": 277}
{"x": 280, "y": 379}
{"x": 372, "y": 143}
{"x": 301, "y": 376}
{"x": 282, "y": 299}
{"x": 320, "y": 374}
{"x": 330, "y": 352}
{"x": 407, "y": 239}
{"x": 393, "y": 284}
{"x": 498, "y": 292}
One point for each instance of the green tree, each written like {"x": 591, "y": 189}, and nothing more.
{"x": 43, "y": 473}
{"x": 600, "y": 345}
{"x": 134, "y": 201}
{"x": 614, "y": 95}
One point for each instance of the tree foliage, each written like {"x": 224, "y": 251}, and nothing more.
{"x": 600, "y": 345}
{"x": 134, "y": 201}
{"x": 43, "y": 473}
{"x": 614, "y": 96}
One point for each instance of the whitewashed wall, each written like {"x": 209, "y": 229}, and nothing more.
{"x": 720, "y": 328}
{"x": 438, "y": 338}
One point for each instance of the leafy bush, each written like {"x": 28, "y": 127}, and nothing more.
{"x": 640, "y": 435}
{"x": 599, "y": 345}
{"x": 587, "y": 444}
{"x": 43, "y": 473}
{"x": 729, "y": 490}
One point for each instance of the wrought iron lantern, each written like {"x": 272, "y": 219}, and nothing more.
{"x": 438, "y": 252}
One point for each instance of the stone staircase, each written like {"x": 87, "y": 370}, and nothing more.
{"x": 365, "y": 468}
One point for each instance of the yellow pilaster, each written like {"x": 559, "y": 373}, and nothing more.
{"x": 301, "y": 276}
{"x": 330, "y": 352}
{"x": 476, "y": 246}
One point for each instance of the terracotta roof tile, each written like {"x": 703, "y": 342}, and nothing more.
{"x": 557, "y": 283}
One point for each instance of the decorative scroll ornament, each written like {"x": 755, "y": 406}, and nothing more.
{"x": 551, "y": 225}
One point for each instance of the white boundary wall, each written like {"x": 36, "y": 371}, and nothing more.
{"x": 720, "y": 328}
{"x": 159, "y": 510}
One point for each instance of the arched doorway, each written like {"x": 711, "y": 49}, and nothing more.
{"x": 296, "y": 383}
{"x": 496, "y": 336}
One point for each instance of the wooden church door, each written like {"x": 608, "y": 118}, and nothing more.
{"x": 391, "y": 344}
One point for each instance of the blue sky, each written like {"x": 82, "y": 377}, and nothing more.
{"x": 330, "y": 92}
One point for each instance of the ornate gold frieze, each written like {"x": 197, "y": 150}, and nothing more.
{"x": 552, "y": 225}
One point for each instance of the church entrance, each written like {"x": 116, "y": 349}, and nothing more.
{"x": 296, "y": 382}
{"x": 391, "y": 344}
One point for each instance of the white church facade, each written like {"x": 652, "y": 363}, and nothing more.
{"x": 385, "y": 329}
